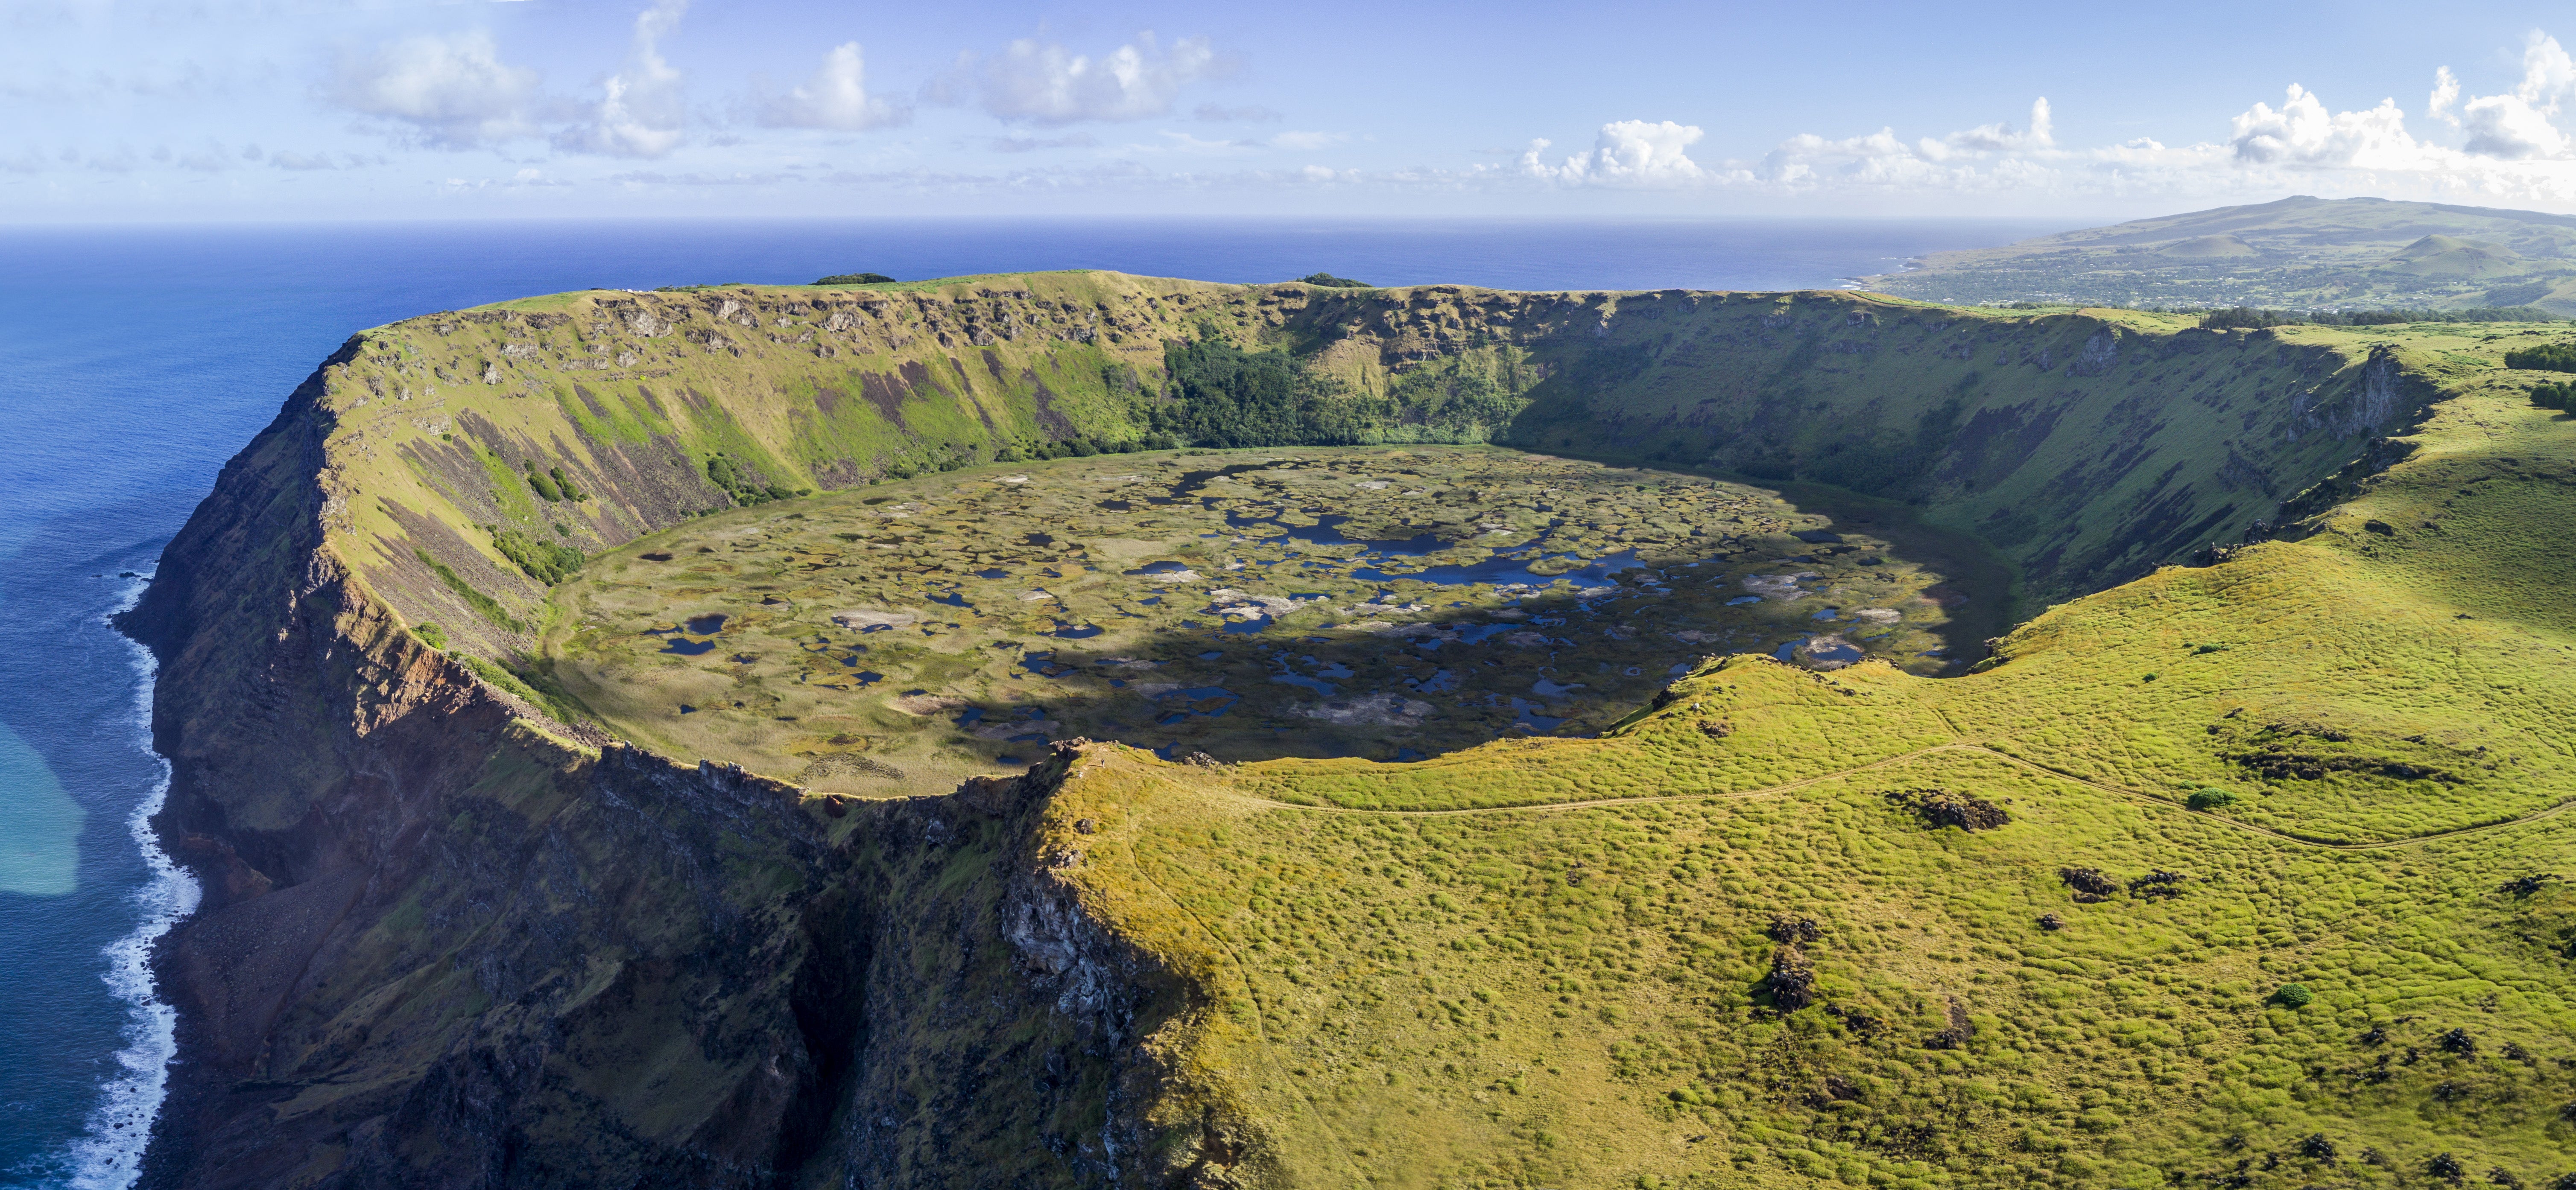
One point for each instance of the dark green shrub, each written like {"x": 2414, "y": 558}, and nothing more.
{"x": 2553, "y": 396}
{"x": 855, "y": 279}
{"x": 483, "y": 605}
{"x": 1082, "y": 448}
{"x": 543, "y": 561}
{"x": 2552, "y": 357}
{"x": 739, "y": 482}
{"x": 1329, "y": 281}
{"x": 543, "y": 486}
{"x": 431, "y": 634}
{"x": 2294, "y": 995}
{"x": 2210, "y": 799}
{"x": 563, "y": 483}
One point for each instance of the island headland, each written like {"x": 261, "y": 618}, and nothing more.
{"x": 2249, "y": 789}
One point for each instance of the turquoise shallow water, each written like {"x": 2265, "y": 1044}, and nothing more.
{"x": 134, "y": 362}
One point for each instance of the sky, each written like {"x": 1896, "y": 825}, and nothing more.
{"x": 270, "y": 110}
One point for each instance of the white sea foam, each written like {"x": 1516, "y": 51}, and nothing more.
{"x": 110, "y": 1155}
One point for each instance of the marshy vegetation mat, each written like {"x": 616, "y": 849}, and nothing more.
{"x": 1381, "y": 603}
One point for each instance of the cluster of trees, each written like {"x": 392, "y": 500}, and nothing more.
{"x": 745, "y": 486}
{"x": 2554, "y": 396}
{"x": 854, "y": 279}
{"x": 1083, "y": 448}
{"x": 1227, "y": 396}
{"x": 2553, "y": 357}
{"x": 1329, "y": 281}
{"x": 2248, "y": 317}
{"x": 552, "y": 485}
{"x": 545, "y": 561}
{"x": 1232, "y": 397}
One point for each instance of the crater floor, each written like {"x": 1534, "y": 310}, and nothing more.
{"x": 1385, "y": 603}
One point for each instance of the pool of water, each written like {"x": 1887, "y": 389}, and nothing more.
{"x": 1497, "y": 568}
{"x": 1525, "y": 714}
{"x": 688, "y": 648}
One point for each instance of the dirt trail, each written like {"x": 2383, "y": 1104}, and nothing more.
{"x": 1802, "y": 783}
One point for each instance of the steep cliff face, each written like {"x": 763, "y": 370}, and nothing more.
{"x": 448, "y": 944}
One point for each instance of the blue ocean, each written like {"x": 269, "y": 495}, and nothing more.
{"x": 133, "y": 362}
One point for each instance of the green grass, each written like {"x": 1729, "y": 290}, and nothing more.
{"x": 1572, "y": 996}
{"x": 484, "y": 605}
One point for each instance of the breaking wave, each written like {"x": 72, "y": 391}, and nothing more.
{"x": 109, "y": 1155}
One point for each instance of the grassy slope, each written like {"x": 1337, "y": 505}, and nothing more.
{"x": 2350, "y": 252}
{"x": 629, "y": 394}
{"x": 2088, "y": 446}
{"x": 1569, "y": 996}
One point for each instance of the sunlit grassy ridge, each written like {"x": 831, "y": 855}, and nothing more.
{"x": 1576, "y": 996}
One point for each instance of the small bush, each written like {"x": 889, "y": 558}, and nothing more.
{"x": 2211, "y": 798}
{"x": 2294, "y": 995}
{"x": 1329, "y": 281}
{"x": 855, "y": 279}
{"x": 543, "y": 486}
{"x": 431, "y": 634}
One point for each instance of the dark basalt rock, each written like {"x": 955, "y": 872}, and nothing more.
{"x": 1945, "y": 807}
{"x": 1792, "y": 981}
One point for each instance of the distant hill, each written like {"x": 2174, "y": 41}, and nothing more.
{"x": 2298, "y": 252}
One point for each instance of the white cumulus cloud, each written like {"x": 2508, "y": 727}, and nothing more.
{"x": 2519, "y": 124}
{"x": 836, "y": 98}
{"x": 2511, "y": 128}
{"x": 641, "y": 111}
{"x": 1999, "y": 137}
{"x": 449, "y": 92}
{"x": 1625, "y": 153}
{"x": 1036, "y": 82}
{"x": 2304, "y": 134}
